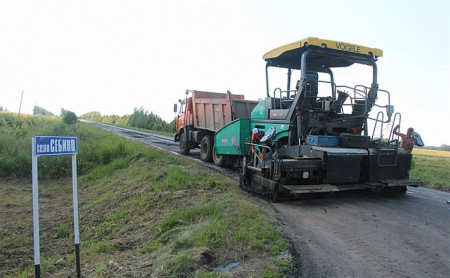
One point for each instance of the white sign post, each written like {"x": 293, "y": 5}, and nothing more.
{"x": 49, "y": 146}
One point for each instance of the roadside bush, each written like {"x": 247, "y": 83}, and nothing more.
{"x": 70, "y": 118}
{"x": 15, "y": 144}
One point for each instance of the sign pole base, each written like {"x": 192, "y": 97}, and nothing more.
{"x": 37, "y": 271}
{"x": 77, "y": 256}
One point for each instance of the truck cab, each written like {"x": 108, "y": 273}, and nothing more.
{"x": 185, "y": 114}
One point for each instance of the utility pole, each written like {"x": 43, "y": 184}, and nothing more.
{"x": 20, "y": 106}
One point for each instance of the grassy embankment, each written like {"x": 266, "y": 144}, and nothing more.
{"x": 432, "y": 167}
{"x": 142, "y": 211}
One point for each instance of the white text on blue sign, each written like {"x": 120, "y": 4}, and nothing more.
{"x": 46, "y": 145}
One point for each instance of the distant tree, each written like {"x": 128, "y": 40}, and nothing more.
{"x": 172, "y": 127}
{"x": 38, "y": 110}
{"x": 92, "y": 116}
{"x": 141, "y": 118}
{"x": 445, "y": 148}
{"x": 123, "y": 121}
{"x": 63, "y": 112}
{"x": 70, "y": 118}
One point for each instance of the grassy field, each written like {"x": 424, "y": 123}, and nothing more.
{"x": 432, "y": 167}
{"x": 142, "y": 212}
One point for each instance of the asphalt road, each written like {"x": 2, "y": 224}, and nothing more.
{"x": 355, "y": 234}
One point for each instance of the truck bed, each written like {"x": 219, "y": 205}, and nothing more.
{"x": 212, "y": 111}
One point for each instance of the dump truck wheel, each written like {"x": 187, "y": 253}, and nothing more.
{"x": 206, "y": 148}
{"x": 184, "y": 145}
{"x": 218, "y": 159}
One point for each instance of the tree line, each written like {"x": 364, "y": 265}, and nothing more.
{"x": 140, "y": 118}
{"x": 38, "y": 110}
{"x": 441, "y": 148}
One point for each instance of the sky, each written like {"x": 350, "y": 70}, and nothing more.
{"x": 114, "y": 56}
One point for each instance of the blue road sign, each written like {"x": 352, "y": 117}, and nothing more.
{"x": 47, "y": 146}
{"x": 55, "y": 145}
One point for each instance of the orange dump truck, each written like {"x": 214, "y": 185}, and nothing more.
{"x": 201, "y": 114}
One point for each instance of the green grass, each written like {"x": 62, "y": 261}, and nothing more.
{"x": 432, "y": 167}
{"x": 141, "y": 210}
{"x": 96, "y": 148}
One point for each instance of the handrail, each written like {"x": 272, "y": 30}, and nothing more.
{"x": 388, "y": 106}
{"x": 393, "y": 126}
{"x": 392, "y": 145}
{"x": 261, "y": 146}
{"x": 281, "y": 96}
{"x": 376, "y": 123}
{"x": 275, "y": 96}
{"x": 359, "y": 96}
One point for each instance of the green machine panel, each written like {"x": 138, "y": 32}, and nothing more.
{"x": 230, "y": 139}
